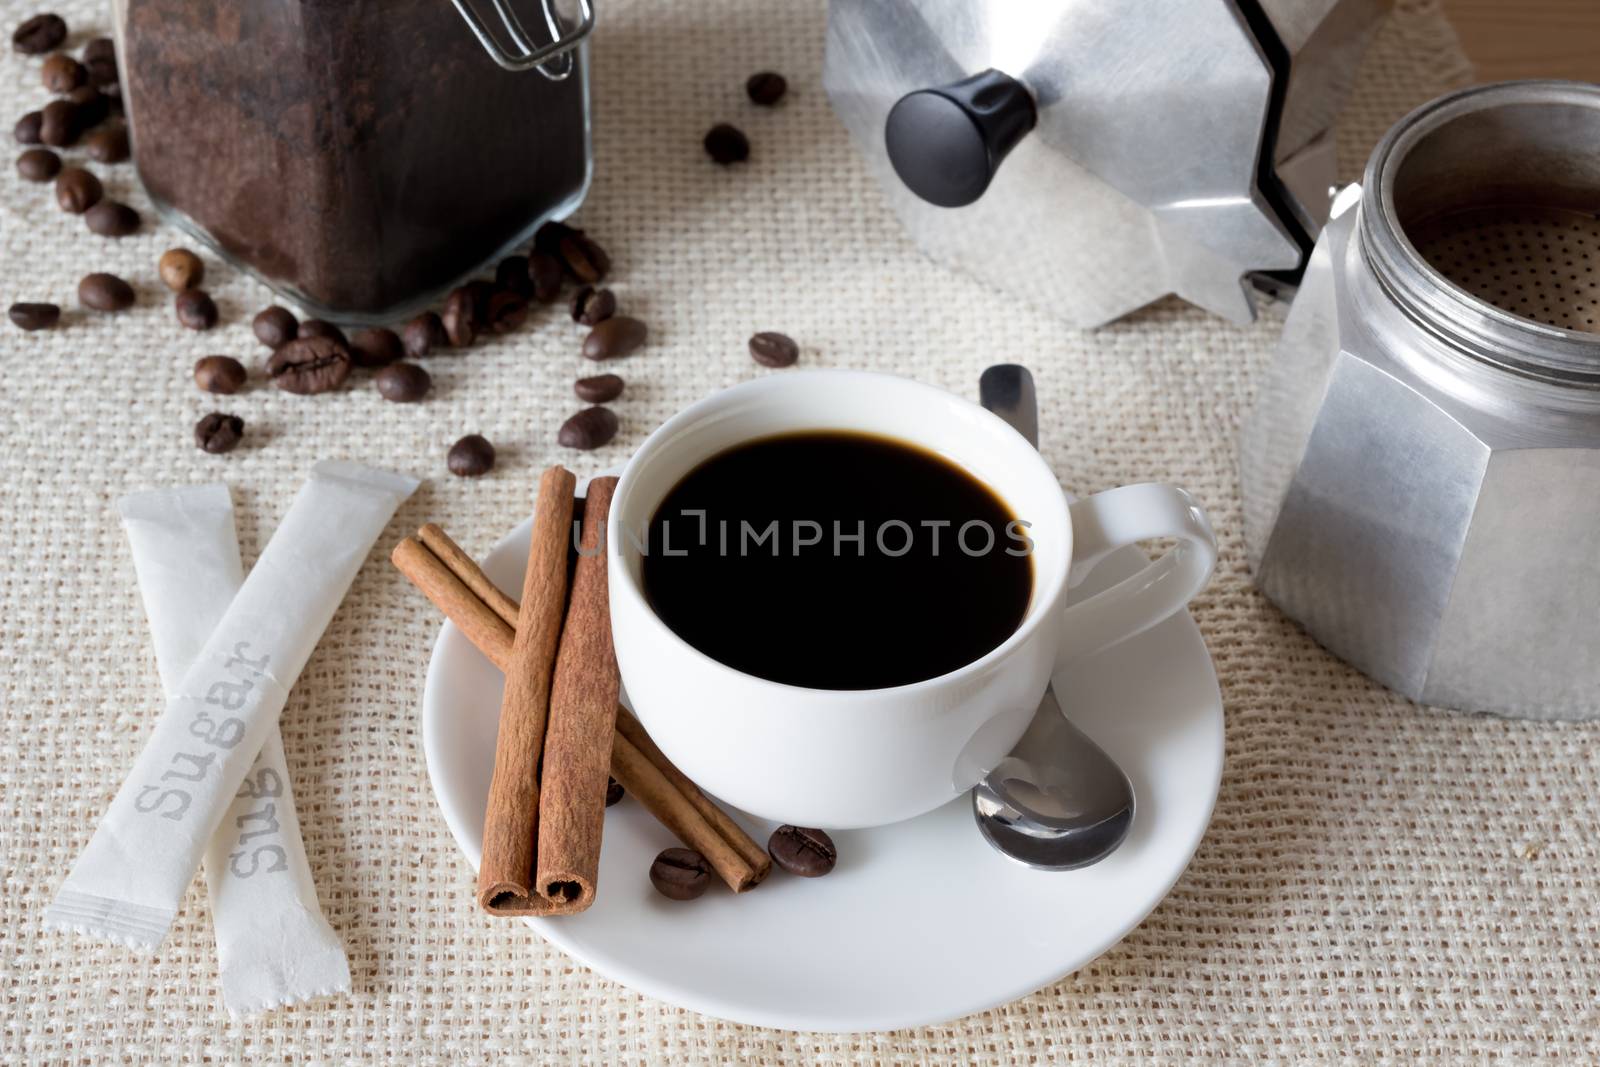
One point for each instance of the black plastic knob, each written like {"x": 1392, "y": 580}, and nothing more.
{"x": 947, "y": 143}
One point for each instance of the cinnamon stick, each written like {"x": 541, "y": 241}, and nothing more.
{"x": 583, "y": 719}
{"x": 510, "y": 823}
{"x": 461, "y": 565}
{"x": 742, "y": 867}
{"x": 753, "y": 854}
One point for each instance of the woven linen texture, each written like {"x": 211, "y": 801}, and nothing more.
{"x": 1380, "y": 882}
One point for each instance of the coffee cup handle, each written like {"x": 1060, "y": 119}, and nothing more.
{"x": 1107, "y": 521}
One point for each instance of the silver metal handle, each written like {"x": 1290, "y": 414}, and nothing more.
{"x": 554, "y": 60}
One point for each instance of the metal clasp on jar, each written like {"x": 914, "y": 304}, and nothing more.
{"x": 553, "y": 60}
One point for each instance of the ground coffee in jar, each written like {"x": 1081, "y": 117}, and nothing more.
{"x": 362, "y": 156}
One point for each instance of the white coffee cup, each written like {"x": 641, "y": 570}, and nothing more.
{"x": 850, "y": 758}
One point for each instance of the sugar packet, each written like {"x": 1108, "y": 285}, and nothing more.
{"x": 130, "y": 878}
{"x": 274, "y": 947}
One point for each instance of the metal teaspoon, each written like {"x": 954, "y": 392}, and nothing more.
{"x": 1058, "y": 802}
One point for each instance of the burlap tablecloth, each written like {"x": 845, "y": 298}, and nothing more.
{"x": 1380, "y": 880}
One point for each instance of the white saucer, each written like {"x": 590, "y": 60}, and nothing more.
{"x": 921, "y": 922}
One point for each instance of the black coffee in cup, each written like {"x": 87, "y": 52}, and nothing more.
{"x": 837, "y": 560}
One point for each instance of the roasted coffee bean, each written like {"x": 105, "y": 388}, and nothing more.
{"x": 105, "y": 292}
{"x": 545, "y": 274}
{"x": 217, "y": 433}
{"x": 481, "y": 292}
{"x": 195, "y": 309}
{"x": 38, "y": 35}
{"x": 423, "y": 334}
{"x": 100, "y": 57}
{"x": 512, "y": 275}
{"x": 109, "y": 144}
{"x": 35, "y": 316}
{"x": 77, "y": 190}
{"x": 507, "y": 311}
{"x": 89, "y": 108}
{"x": 726, "y": 144}
{"x": 766, "y": 88}
{"x": 589, "y": 428}
{"x": 551, "y": 234}
{"x": 593, "y": 306}
{"x": 598, "y": 389}
{"x": 61, "y": 74}
{"x": 617, "y": 336}
{"x": 38, "y": 164}
{"x": 323, "y": 328}
{"x": 404, "y": 383}
{"x": 375, "y": 346}
{"x": 614, "y": 791}
{"x": 219, "y": 374}
{"x": 471, "y": 457}
{"x": 273, "y": 326}
{"x": 584, "y": 259}
{"x": 58, "y": 124}
{"x": 310, "y": 364}
{"x": 803, "y": 851}
{"x": 181, "y": 269}
{"x": 772, "y": 349}
{"x": 111, "y": 218}
{"x": 26, "y": 131}
{"x": 457, "y": 318}
{"x": 680, "y": 873}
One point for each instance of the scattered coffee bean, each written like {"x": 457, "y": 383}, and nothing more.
{"x": 109, "y": 144}
{"x": 77, "y": 190}
{"x": 507, "y": 311}
{"x": 593, "y": 306}
{"x": 273, "y": 326}
{"x": 218, "y": 433}
{"x": 457, "y": 318}
{"x": 195, "y": 309}
{"x": 105, "y": 292}
{"x": 38, "y": 164}
{"x": 310, "y": 364}
{"x": 482, "y": 292}
{"x": 803, "y": 851}
{"x": 58, "y": 124}
{"x": 375, "y": 347}
{"x": 26, "y": 131}
{"x": 512, "y": 275}
{"x": 111, "y": 218}
{"x": 35, "y": 316}
{"x": 181, "y": 269}
{"x": 471, "y": 457}
{"x": 545, "y": 273}
{"x": 617, "y": 336}
{"x": 38, "y": 35}
{"x": 680, "y": 874}
{"x": 425, "y": 333}
{"x": 404, "y": 383}
{"x": 589, "y": 428}
{"x": 323, "y": 328}
{"x": 551, "y": 234}
{"x": 614, "y": 791}
{"x": 61, "y": 74}
{"x": 584, "y": 259}
{"x": 100, "y": 57}
{"x": 598, "y": 389}
{"x": 219, "y": 374}
{"x": 772, "y": 349}
{"x": 766, "y": 88}
{"x": 89, "y": 108}
{"x": 726, "y": 144}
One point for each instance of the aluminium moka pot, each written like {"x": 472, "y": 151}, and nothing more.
{"x": 1095, "y": 155}
{"x": 1421, "y": 474}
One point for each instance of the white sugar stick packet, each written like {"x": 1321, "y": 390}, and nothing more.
{"x": 274, "y": 947}
{"x": 131, "y": 877}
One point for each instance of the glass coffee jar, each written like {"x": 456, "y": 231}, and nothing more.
{"x": 360, "y": 157}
